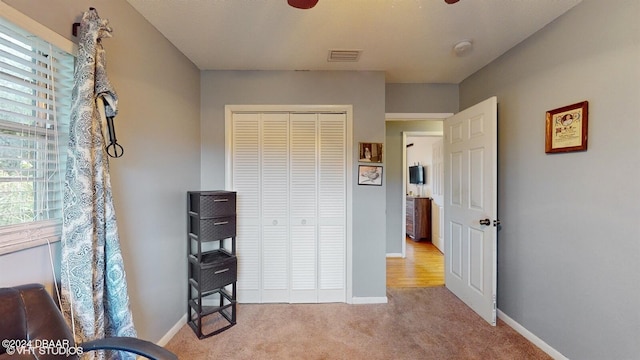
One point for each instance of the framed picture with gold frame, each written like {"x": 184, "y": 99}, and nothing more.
{"x": 567, "y": 128}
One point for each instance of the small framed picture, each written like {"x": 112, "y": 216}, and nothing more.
{"x": 567, "y": 128}
{"x": 369, "y": 175}
{"x": 370, "y": 152}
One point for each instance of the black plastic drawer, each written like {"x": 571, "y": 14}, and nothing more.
{"x": 213, "y": 229}
{"x": 217, "y": 269}
{"x": 210, "y": 204}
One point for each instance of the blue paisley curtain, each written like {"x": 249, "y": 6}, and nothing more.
{"x": 94, "y": 290}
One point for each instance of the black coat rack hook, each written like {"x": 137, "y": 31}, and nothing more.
{"x": 113, "y": 149}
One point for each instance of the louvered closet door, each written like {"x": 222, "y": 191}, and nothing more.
{"x": 304, "y": 183}
{"x": 245, "y": 157}
{"x": 289, "y": 170}
{"x": 332, "y": 208}
{"x": 318, "y": 211}
{"x": 275, "y": 206}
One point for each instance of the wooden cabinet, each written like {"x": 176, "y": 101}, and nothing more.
{"x": 419, "y": 218}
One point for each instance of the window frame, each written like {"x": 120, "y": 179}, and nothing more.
{"x": 35, "y": 233}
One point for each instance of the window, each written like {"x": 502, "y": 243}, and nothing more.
{"x": 36, "y": 80}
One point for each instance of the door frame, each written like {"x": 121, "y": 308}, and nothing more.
{"x": 411, "y": 117}
{"x": 348, "y": 110}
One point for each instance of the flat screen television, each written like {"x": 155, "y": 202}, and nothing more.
{"x": 416, "y": 174}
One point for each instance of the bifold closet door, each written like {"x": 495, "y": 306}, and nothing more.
{"x": 246, "y": 173}
{"x": 332, "y": 208}
{"x": 304, "y": 207}
{"x": 274, "y": 200}
{"x": 261, "y": 178}
{"x": 289, "y": 170}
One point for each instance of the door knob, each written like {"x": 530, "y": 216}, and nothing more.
{"x": 485, "y": 222}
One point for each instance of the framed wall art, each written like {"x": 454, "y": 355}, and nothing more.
{"x": 567, "y": 128}
{"x": 370, "y": 152}
{"x": 370, "y": 175}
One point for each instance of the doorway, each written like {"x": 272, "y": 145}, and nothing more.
{"x": 470, "y": 202}
{"x": 418, "y": 263}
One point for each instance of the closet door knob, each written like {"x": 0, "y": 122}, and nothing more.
{"x": 485, "y": 222}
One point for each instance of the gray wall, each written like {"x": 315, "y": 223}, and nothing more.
{"x": 421, "y": 98}
{"x": 159, "y": 126}
{"x": 364, "y": 90}
{"x": 569, "y": 247}
{"x": 394, "y": 169}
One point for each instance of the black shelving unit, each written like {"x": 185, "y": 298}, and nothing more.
{"x": 211, "y": 252}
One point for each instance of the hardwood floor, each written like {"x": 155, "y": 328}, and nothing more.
{"x": 423, "y": 266}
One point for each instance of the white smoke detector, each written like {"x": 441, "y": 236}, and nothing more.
{"x": 462, "y": 47}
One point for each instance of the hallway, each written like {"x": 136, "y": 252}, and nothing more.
{"x": 423, "y": 266}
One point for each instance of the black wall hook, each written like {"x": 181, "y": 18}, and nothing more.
{"x": 114, "y": 149}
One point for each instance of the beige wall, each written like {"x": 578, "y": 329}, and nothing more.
{"x": 159, "y": 126}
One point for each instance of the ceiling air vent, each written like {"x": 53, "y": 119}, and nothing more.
{"x": 344, "y": 55}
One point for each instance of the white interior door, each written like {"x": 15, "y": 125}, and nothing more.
{"x": 470, "y": 210}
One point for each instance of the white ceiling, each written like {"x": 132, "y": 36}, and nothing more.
{"x": 411, "y": 40}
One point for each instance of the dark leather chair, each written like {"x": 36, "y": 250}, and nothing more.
{"x": 29, "y": 318}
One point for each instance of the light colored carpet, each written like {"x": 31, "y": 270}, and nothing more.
{"x": 417, "y": 323}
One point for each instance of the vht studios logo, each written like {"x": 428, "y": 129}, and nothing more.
{"x": 40, "y": 347}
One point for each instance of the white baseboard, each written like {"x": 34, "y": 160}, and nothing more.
{"x": 394, "y": 255}
{"x": 531, "y": 337}
{"x": 369, "y": 300}
{"x": 173, "y": 331}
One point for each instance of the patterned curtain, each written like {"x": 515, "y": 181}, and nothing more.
{"x": 95, "y": 300}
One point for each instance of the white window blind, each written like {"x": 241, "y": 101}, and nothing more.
{"x": 36, "y": 80}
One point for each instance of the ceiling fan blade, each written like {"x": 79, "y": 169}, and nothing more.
{"x": 302, "y": 4}
{"x": 451, "y": 1}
